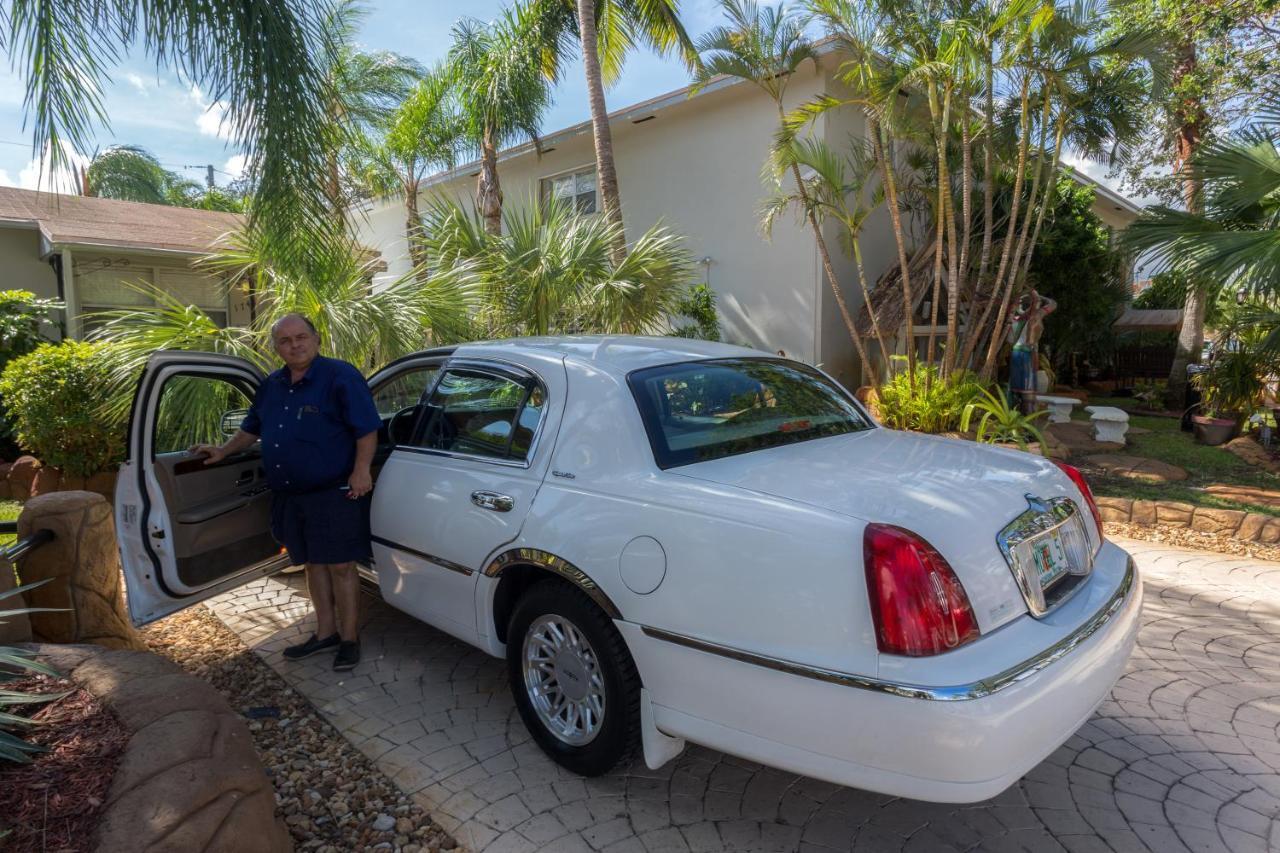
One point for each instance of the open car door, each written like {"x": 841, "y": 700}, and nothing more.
{"x": 187, "y": 530}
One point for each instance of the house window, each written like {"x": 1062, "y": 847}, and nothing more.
{"x": 576, "y": 188}
{"x": 110, "y": 284}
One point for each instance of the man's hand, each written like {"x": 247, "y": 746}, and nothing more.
{"x": 215, "y": 453}
{"x": 361, "y": 483}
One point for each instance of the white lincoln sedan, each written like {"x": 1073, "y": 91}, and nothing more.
{"x": 674, "y": 541}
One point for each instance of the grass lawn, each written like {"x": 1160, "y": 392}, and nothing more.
{"x": 1204, "y": 465}
{"x": 9, "y": 511}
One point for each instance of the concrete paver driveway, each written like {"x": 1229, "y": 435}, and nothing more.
{"x": 1185, "y": 755}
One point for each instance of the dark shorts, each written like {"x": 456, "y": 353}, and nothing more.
{"x": 321, "y": 527}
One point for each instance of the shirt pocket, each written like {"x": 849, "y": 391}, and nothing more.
{"x": 318, "y": 428}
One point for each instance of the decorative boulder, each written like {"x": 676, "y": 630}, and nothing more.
{"x": 22, "y": 474}
{"x": 47, "y": 481}
{"x": 85, "y": 564}
{"x": 102, "y": 483}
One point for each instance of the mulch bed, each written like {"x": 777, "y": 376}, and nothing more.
{"x": 332, "y": 798}
{"x": 51, "y": 805}
{"x": 1185, "y": 537}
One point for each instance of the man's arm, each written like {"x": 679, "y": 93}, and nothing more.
{"x": 361, "y": 481}
{"x": 217, "y": 452}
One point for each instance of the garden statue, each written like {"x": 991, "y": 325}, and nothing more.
{"x": 1028, "y": 325}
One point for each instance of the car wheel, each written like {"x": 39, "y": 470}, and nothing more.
{"x": 573, "y": 679}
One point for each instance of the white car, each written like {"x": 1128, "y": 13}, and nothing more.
{"x": 673, "y": 541}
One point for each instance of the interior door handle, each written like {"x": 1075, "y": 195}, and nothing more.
{"x": 244, "y": 479}
{"x": 493, "y": 501}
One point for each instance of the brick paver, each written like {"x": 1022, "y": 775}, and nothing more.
{"x": 1184, "y": 756}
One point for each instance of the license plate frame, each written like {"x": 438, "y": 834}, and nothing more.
{"x": 1050, "y": 558}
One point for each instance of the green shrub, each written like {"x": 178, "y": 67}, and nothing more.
{"x": 21, "y": 315}
{"x": 928, "y": 404}
{"x": 54, "y": 396}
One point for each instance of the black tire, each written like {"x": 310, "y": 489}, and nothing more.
{"x": 619, "y": 732}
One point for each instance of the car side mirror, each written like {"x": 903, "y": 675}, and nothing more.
{"x": 231, "y": 420}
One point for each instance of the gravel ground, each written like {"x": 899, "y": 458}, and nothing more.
{"x": 332, "y": 798}
{"x": 1186, "y": 538}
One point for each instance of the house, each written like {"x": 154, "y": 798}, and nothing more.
{"x": 88, "y": 251}
{"x": 693, "y": 161}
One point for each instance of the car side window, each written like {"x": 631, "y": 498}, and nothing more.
{"x": 197, "y": 409}
{"x": 403, "y": 390}
{"x": 483, "y": 414}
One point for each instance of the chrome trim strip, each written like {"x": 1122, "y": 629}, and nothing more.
{"x": 431, "y": 558}
{"x": 953, "y": 693}
{"x": 556, "y": 565}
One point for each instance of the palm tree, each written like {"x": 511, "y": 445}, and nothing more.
{"x": 422, "y": 136}
{"x": 840, "y": 188}
{"x": 330, "y": 283}
{"x": 551, "y": 270}
{"x": 765, "y": 47}
{"x": 267, "y": 67}
{"x": 364, "y": 89}
{"x": 503, "y": 91}
{"x": 1233, "y": 236}
{"x": 606, "y": 31}
{"x": 128, "y": 173}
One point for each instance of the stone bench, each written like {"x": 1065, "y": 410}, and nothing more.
{"x": 1059, "y": 408}
{"x": 1109, "y": 423}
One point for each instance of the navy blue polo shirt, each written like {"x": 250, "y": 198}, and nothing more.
{"x": 309, "y": 427}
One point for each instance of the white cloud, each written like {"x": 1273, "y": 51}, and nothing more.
{"x": 211, "y": 120}
{"x": 235, "y": 166}
{"x": 38, "y": 174}
{"x": 137, "y": 82}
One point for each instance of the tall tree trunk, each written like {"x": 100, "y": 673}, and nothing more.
{"x": 414, "y": 232}
{"x": 1190, "y": 118}
{"x": 488, "y": 190}
{"x": 940, "y": 213}
{"x": 960, "y": 270}
{"x": 973, "y": 328}
{"x": 1006, "y": 245}
{"x": 606, "y": 172}
{"x": 866, "y": 300}
{"x": 888, "y": 175}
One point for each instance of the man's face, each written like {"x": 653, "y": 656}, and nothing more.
{"x": 296, "y": 345}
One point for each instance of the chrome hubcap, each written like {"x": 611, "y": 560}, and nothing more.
{"x": 563, "y": 680}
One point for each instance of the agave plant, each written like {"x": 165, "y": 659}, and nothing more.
{"x": 14, "y": 662}
{"x": 1000, "y": 422}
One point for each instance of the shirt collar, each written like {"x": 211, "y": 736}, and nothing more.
{"x": 316, "y": 366}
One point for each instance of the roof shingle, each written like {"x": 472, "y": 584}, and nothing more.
{"x": 86, "y": 221}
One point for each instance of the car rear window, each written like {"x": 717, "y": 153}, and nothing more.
{"x": 700, "y": 410}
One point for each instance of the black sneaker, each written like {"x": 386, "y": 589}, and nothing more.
{"x": 348, "y": 655}
{"x": 310, "y": 647}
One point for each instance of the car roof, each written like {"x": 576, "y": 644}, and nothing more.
{"x": 618, "y": 354}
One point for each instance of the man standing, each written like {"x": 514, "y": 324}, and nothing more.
{"x": 319, "y": 428}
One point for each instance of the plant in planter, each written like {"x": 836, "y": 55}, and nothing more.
{"x": 1232, "y": 390}
{"x": 14, "y": 662}
{"x": 1001, "y": 423}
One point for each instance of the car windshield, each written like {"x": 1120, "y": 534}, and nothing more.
{"x": 703, "y": 410}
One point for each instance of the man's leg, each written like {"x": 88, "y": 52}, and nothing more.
{"x": 320, "y": 585}
{"x": 346, "y": 598}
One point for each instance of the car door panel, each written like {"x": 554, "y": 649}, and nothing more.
{"x": 439, "y": 515}
{"x": 188, "y": 530}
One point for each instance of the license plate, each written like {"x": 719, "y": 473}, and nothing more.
{"x": 1049, "y": 558}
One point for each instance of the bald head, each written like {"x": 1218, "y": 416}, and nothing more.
{"x": 296, "y": 341}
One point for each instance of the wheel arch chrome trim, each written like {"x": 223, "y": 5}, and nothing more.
{"x": 555, "y": 565}
{"x": 950, "y": 693}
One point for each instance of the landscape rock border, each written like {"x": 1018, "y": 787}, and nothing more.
{"x": 27, "y": 477}
{"x": 189, "y": 779}
{"x": 1247, "y": 526}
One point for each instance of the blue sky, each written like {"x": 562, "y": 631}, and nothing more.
{"x": 157, "y": 110}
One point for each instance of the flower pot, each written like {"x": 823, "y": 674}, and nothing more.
{"x": 1214, "y": 431}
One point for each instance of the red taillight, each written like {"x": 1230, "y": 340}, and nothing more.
{"x": 1078, "y": 478}
{"x": 917, "y": 601}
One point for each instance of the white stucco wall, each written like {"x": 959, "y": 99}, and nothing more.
{"x": 696, "y": 167}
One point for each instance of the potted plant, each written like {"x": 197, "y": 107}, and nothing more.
{"x": 1232, "y": 389}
